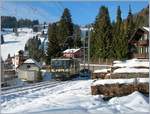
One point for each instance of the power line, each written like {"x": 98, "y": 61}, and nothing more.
{"x": 5, "y": 9}
{"x": 60, "y": 3}
{"x": 36, "y": 11}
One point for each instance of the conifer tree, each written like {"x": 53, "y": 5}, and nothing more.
{"x": 129, "y": 29}
{"x": 53, "y": 43}
{"x": 101, "y": 41}
{"x": 65, "y": 27}
{"x": 117, "y": 35}
{"x": 34, "y": 50}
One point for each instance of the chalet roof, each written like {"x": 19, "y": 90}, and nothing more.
{"x": 31, "y": 61}
{"x": 138, "y": 33}
{"x": 71, "y": 50}
{"x": 146, "y": 28}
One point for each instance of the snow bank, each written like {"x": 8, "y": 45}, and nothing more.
{"x": 135, "y": 101}
{"x": 71, "y": 97}
{"x": 120, "y": 81}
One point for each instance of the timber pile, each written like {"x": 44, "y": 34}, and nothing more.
{"x": 99, "y": 75}
{"x": 126, "y": 75}
{"x": 113, "y": 90}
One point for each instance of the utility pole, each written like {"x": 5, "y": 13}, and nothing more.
{"x": 89, "y": 48}
{"x": 84, "y": 47}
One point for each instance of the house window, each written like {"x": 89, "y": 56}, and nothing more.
{"x": 145, "y": 36}
{"x": 141, "y": 50}
{"x": 146, "y": 50}
{"x": 28, "y": 66}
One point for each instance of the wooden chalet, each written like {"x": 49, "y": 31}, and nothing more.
{"x": 139, "y": 43}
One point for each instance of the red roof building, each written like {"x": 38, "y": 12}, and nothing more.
{"x": 73, "y": 53}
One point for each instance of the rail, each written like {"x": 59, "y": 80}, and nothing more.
{"x": 32, "y": 88}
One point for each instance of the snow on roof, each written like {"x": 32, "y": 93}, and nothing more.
{"x": 101, "y": 71}
{"x": 86, "y": 28}
{"x": 32, "y": 61}
{"x": 120, "y": 81}
{"x": 71, "y": 50}
{"x": 131, "y": 70}
{"x": 146, "y": 28}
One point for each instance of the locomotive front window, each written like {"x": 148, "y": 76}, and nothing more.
{"x": 61, "y": 63}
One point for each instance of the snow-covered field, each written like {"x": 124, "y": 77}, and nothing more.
{"x": 73, "y": 97}
{"x": 15, "y": 43}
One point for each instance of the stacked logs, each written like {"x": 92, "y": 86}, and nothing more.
{"x": 113, "y": 90}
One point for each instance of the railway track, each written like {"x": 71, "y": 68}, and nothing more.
{"x": 25, "y": 86}
{"x": 33, "y": 87}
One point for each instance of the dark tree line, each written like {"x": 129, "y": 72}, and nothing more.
{"x": 12, "y": 22}
{"x": 27, "y": 23}
{"x": 8, "y": 22}
{"x": 110, "y": 40}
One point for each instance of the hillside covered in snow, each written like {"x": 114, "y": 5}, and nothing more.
{"x": 15, "y": 43}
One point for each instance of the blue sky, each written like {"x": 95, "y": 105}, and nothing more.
{"x": 82, "y": 12}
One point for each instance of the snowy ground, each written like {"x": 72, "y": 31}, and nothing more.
{"x": 15, "y": 43}
{"x": 73, "y": 97}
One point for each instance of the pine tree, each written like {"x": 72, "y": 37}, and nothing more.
{"x": 101, "y": 41}
{"x": 123, "y": 44}
{"x": 129, "y": 29}
{"x": 2, "y": 39}
{"x": 118, "y": 35}
{"x": 65, "y": 27}
{"x": 8, "y": 56}
{"x": 34, "y": 51}
{"x": 53, "y": 43}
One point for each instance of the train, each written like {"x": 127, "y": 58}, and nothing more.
{"x": 65, "y": 68}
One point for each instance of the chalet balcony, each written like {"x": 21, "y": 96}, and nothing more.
{"x": 143, "y": 43}
{"x": 141, "y": 56}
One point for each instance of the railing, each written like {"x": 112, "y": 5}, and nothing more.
{"x": 143, "y": 55}
{"x": 143, "y": 42}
